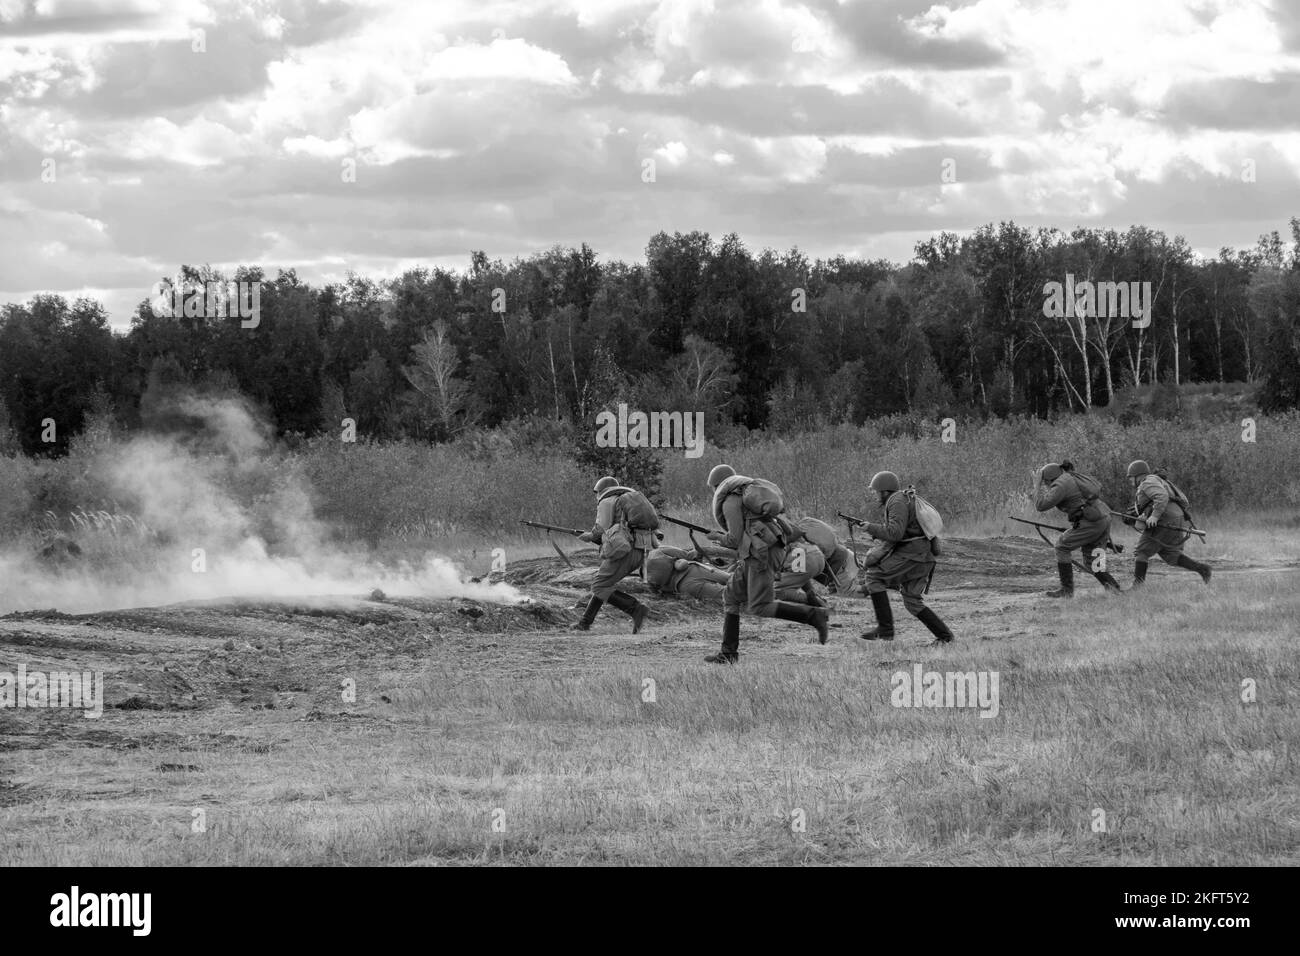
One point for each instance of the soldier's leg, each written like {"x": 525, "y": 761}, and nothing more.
{"x": 879, "y": 594}
{"x": 763, "y": 602}
{"x": 734, "y": 597}
{"x": 1065, "y": 546}
{"x": 603, "y": 589}
{"x": 914, "y": 600}
{"x": 1147, "y": 547}
{"x": 1094, "y": 553}
{"x": 1193, "y": 565}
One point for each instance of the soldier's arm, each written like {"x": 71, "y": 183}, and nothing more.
{"x": 1047, "y": 497}
{"x": 1159, "y": 498}
{"x": 895, "y": 523}
{"x": 734, "y": 516}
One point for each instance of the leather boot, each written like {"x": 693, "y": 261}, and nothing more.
{"x": 1108, "y": 582}
{"x": 589, "y": 615}
{"x": 1139, "y": 573}
{"x": 939, "y": 629}
{"x": 1064, "y": 570}
{"x": 630, "y": 606}
{"x": 884, "y": 629}
{"x": 730, "y": 650}
{"x": 1191, "y": 565}
{"x": 812, "y": 616}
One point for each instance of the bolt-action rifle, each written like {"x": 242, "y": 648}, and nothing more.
{"x": 549, "y": 528}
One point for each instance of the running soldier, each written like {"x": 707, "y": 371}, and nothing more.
{"x": 1160, "y": 510}
{"x": 1078, "y": 497}
{"x": 624, "y": 529}
{"x": 906, "y": 564}
{"x": 749, "y": 512}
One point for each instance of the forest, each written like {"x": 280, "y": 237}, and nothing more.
{"x": 766, "y": 340}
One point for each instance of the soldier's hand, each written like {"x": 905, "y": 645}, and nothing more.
{"x": 586, "y": 536}
{"x": 1140, "y": 524}
{"x": 718, "y": 536}
{"x": 680, "y": 564}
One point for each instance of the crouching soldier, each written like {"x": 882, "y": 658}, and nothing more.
{"x": 749, "y": 512}
{"x": 1161, "y": 510}
{"x": 675, "y": 571}
{"x": 1078, "y": 497}
{"x": 905, "y": 563}
{"x": 624, "y": 529}
{"x": 841, "y": 570}
{"x": 804, "y": 561}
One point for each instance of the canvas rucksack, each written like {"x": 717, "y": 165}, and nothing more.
{"x": 927, "y": 515}
{"x": 635, "y": 510}
{"x": 1088, "y": 486}
{"x": 762, "y": 498}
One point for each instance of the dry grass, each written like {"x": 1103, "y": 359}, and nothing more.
{"x": 1129, "y": 706}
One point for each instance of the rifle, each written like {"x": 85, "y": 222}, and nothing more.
{"x": 851, "y": 522}
{"x": 1130, "y": 518}
{"x": 691, "y": 529}
{"x": 1039, "y": 526}
{"x": 548, "y": 528}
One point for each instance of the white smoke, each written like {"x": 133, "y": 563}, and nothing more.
{"x": 222, "y": 517}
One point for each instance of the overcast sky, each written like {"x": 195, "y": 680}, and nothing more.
{"x": 510, "y": 127}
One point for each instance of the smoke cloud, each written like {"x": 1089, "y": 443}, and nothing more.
{"x": 213, "y": 514}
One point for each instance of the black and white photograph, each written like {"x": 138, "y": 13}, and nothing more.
{"x": 651, "y": 434}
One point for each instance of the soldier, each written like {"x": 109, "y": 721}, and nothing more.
{"x": 675, "y": 571}
{"x": 1077, "y": 497}
{"x": 907, "y": 566}
{"x": 841, "y": 570}
{"x": 624, "y": 529}
{"x": 1161, "y": 508}
{"x": 749, "y": 511}
{"x": 804, "y": 561}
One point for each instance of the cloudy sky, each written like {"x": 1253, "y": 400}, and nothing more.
{"x": 373, "y": 136}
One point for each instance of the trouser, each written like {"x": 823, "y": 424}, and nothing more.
{"x": 612, "y": 571}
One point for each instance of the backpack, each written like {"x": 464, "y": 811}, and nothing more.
{"x": 927, "y": 515}
{"x": 1089, "y": 486}
{"x": 762, "y": 498}
{"x": 1175, "y": 493}
{"x": 636, "y": 511}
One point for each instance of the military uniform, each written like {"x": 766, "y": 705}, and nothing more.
{"x": 1166, "y": 530}
{"x": 692, "y": 579}
{"x": 840, "y": 569}
{"x": 1089, "y": 528}
{"x": 907, "y": 566}
{"x": 610, "y": 514}
{"x": 760, "y": 546}
{"x": 793, "y": 585}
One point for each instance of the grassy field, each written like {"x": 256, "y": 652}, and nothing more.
{"x": 506, "y": 737}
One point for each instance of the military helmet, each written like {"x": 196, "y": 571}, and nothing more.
{"x": 1051, "y": 471}
{"x": 606, "y": 482}
{"x": 884, "y": 481}
{"x": 1138, "y": 469}
{"x": 719, "y": 474}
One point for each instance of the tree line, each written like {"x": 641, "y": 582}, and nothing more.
{"x": 759, "y": 340}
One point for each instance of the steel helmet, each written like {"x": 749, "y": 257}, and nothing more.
{"x": 719, "y": 474}
{"x": 884, "y": 481}
{"x": 606, "y": 482}
{"x": 1138, "y": 469}
{"x": 1051, "y": 471}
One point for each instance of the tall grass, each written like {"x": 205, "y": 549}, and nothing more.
{"x": 404, "y": 491}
